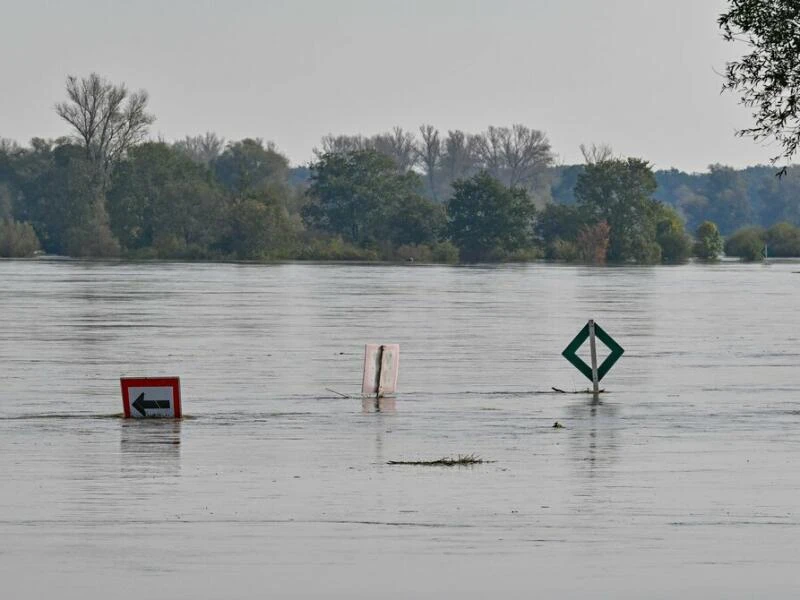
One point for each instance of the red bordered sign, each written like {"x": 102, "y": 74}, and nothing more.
{"x": 144, "y": 397}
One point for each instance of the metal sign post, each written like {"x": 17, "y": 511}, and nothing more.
{"x": 593, "y": 373}
{"x": 593, "y": 352}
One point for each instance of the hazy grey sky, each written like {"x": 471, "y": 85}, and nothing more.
{"x": 640, "y": 75}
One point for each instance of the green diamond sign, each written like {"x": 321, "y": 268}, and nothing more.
{"x": 570, "y": 352}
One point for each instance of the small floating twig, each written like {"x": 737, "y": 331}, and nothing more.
{"x": 337, "y": 393}
{"x": 560, "y": 391}
{"x": 460, "y": 460}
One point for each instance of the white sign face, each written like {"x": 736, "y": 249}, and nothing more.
{"x": 381, "y": 367}
{"x": 144, "y": 398}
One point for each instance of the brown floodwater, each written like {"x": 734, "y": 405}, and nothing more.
{"x": 683, "y": 482}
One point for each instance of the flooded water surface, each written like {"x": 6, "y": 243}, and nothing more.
{"x": 683, "y": 482}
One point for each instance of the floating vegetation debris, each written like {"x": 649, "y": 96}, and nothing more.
{"x": 587, "y": 391}
{"x": 459, "y": 461}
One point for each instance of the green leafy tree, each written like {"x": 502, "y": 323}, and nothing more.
{"x": 247, "y": 166}
{"x": 767, "y": 78}
{"x": 261, "y": 227}
{"x": 488, "y": 221}
{"x": 708, "y": 241}
{"x": 671, "y": 236}
{"x": 727, "y": 201}
{"x": 411, "y": 219}
{"x": 783, "y": 239}
{"x": 620, "y": 192}
{"x": 747, "y": 244}
{"x": 361, "y": 196}
{"x": 557, "y": 229}
{"x": 161, "y": 197}
{"x": 62, "y": 200}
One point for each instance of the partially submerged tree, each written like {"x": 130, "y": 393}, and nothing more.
{"x": 671, "y": 236}
{"x": 747, "y": 244}
{"x": 620, "y": 192}
{"x": 708, "y": 241}
{"x": 361, "y": 196}
{"x": 429, "y": 155}
{"x": 489, "y": 221}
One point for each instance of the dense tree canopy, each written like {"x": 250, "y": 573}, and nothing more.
{"x": 489, "y": 221}
{"x": 105, "y": 190}
{"x": 361, "y": 196}
{"x": 161, "y": 198}
{"x": 708, "y": 241}
{"x": 620, "y": 192}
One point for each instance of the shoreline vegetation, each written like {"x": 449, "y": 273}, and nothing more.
{"x": 106, "y": 190}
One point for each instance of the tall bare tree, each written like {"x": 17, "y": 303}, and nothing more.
{"x": 429, "y": 155}
{"x": 399, "y": 145}
{"x": 527, "y": 155}
{"x": 202, "y": 149}
{"x": 595, "y": 154}
{"x": 489, "y": 150}
{"x": 340, "y": 144}
{"x": 107, "y": 119}
{"x": 458, "y": 158}
{"x": 8, "y": 146}
{"x": 518, "y": 156}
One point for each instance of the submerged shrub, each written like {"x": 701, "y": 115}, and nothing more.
{"x": 563, "y": 250}
{"x": 783, "y": 239}
{"x": 17, "y": 240}
{"x": 708, "y": 241}
{"x": 747, "y": 244}
{"x": 444, "y": 252}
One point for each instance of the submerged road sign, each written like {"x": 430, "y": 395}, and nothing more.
{"x": 144, "y": 397}
{"x": 381, "y": 366}
{"x": 593, "y": 373}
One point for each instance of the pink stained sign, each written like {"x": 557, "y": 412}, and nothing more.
{"x": 381, "y": 366}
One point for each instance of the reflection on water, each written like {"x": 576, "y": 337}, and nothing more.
{"x": 593, "y": 435}
{"x": 680, "y": 481}
{"x": 378, "y": 405}
{"x": 150, "y": 447}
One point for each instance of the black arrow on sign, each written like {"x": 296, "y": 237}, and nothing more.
{"x": 142, "y": 405}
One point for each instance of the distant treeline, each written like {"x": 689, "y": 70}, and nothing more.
{"x": 105, "y": 191}
{"x": 731, "y": 198}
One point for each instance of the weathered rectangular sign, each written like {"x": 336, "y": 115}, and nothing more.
{"x": 144, "y": 397}
{"x": 381, "y": 366}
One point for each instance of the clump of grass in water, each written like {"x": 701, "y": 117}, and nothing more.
{"x": 460, "y": 460}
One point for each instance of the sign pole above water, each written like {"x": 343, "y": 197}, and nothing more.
{"x": 149, "y": 397}
{"x": 593, "y": 372}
